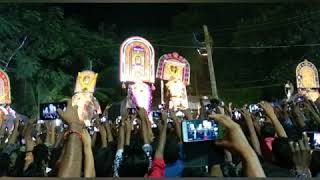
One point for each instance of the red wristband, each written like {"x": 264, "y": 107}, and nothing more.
{"x": 67, "y": 133}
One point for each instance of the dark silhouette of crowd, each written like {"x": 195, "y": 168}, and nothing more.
{"x": 270, "y": 141}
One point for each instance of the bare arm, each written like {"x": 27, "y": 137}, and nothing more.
{"x": 275, "y": 121}
{"x": 103, "y": 134}
{"x": 177, "y": 122}
{"x": 109, "y": 132}
{"x": 29, "y": 144}
{"x": 72, "y": 158}
{"x": 121, "y": 137}
{"x": 71, "y": 162}
{"x": 163, "y": 136}
{"x": 93, "y": 139}
{"x": 89, "y": 169}
{"x": 215, "y": 171}
{"x": 128, "y": 128}
{"x": 144, "y": 126}
{"x": 253, "y": 136}
{"x": 235, "y": 140}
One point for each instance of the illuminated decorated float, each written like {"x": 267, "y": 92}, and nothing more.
{"x": 7, "y": 113}
{"x": 175, "y": 70}
{"x": 83, "y": 96}
{"x": 307, "y": 80}
{"x": 137, "y": 72}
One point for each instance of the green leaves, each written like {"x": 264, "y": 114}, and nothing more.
{"x": 45, "y": 69}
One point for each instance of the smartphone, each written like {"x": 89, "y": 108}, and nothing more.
{"x": 156, "y": 115}
{"x": 314, "y": 140}
{"x": 254, "y": 108}
{"x": 199, "y": 130}
{"x": 96, "y": 129}
{"x": 132, "y": 111}
{"x": 161, "y": 107}
{"x": 48, "y": 111}
{"x": 236, "y": 115}
{"x": 104, "y": 119}
{"x": 179, "y": 114}
{"x": 118, "y": 120}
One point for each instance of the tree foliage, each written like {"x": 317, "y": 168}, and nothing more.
{"x": 56, "y": 48}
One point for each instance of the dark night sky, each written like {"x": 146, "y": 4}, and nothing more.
{"x": 153, "y": 17}
{"x": 126, "y": 15}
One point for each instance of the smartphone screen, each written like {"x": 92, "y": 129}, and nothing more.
{"x": 179, "y": 114}
{"x": 132, "y": 111}
{"x": 156, "y": 115}
{"x": 314, "y": 140}
{"x": 199, "y": 130}
{"x": 48, "y": 111}
{"x": 104, "y": 119}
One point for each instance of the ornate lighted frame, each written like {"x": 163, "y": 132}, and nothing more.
{"x": 5, "y": 98}
{"x": 174, "y": 58}
{"x": 312, "y": 76}
{"x": 126, "y": 60}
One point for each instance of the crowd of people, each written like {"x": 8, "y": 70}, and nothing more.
{"x": 269, "y": 142}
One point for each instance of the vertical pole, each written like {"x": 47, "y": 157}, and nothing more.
{"x": 209, "y": 44}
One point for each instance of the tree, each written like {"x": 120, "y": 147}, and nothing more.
{"x": 56, "y": 48}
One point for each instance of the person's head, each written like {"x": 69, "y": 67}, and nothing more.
{"x": 103, "y": 162}
{"x": 171, "y": 150}
{"x": 315, "y": 163}
{"x": 135, "y": 162}
{"x": 17, "y": 170}
{"x": 41, "y": 155}
{"x": 267, "y": 130}
{"x": 282, "y": 152}
{"x": 54, "y": 156}
{"x": 4, "y": 164}
{"x": 194, "y": 172}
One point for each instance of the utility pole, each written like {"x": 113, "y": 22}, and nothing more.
{"x": 209, "y": 44}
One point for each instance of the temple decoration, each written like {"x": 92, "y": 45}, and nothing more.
{"x": 83, "y": 96}
{"x": 86, "y": 82}
{"x": 307, "y": 80}
{"x": 137, "y": 60}
{"x": 5, "y": 91}
{"x": 176, "y": 70}
{"x": 137, "y": 72}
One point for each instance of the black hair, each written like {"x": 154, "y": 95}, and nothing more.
{"x": 267, "y": 130}
{"x": 17, "y": 170}
{"x": 315, "y": 163}
{"x": 103, "y": 159}
{"x": 4, "y": 164}
{"x": 171, "y": 150}
{"x": 135, "y": 162}
{"x": 194, "y": 172}
{"x": 54, "y": 157}
{"x": 282, "y": 152}
{"x": 40, "y": 153}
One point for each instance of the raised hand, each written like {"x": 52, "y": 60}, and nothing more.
{"x": 234, "y": 139}
{"x": 301, "y": 155}
{"x": 71, "y": 117}
{"x": 187, "y": 113}
{"x": 268, "y": 109}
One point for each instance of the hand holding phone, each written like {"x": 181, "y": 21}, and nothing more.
{"x": 199, "y": 130}
{"x": 48, "y": 111}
